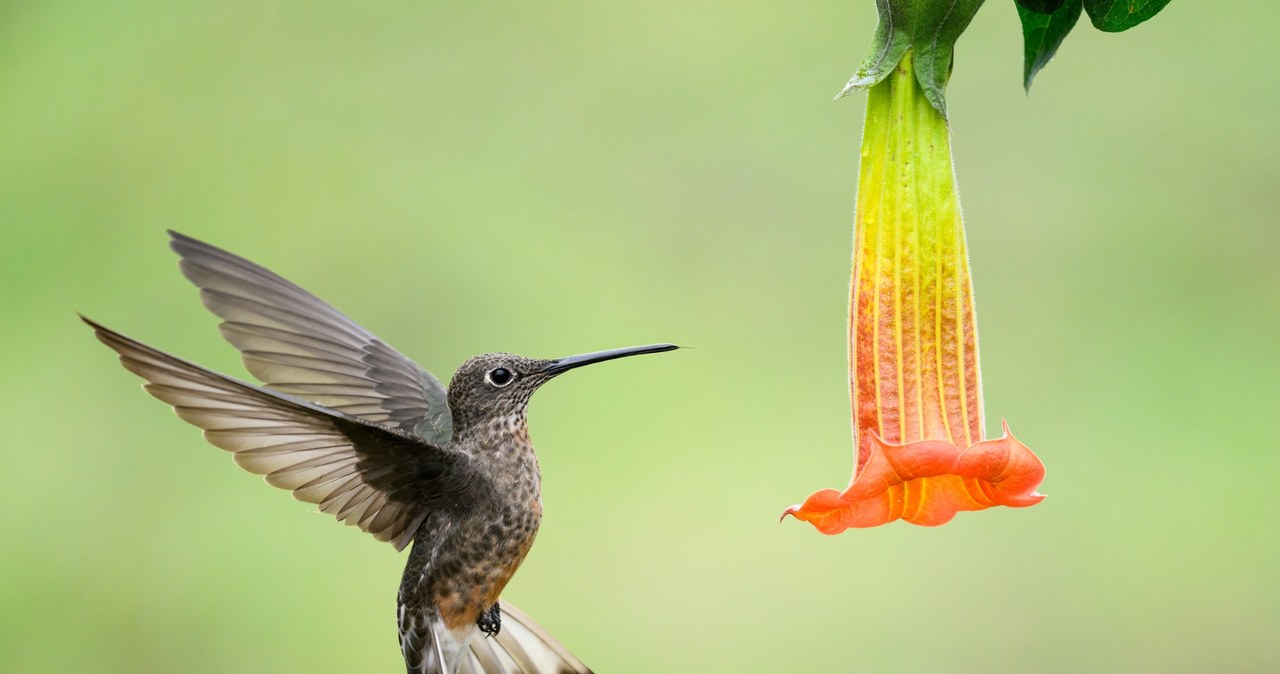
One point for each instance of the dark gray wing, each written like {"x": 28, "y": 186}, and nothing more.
{"x": 374, "y": 477}
{"x": 521, "y": 647}
{"x": 296, "y": 343}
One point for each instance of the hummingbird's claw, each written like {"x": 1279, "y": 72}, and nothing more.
{"x": 490, "y": 622}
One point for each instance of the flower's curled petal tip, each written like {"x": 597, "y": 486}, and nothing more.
{"x": 822, "y": 509}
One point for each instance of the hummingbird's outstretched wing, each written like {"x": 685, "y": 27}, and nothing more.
{"x": 376, "y": 477}
{"x": 299, "y": 344}
{"x": 521, "y": 647}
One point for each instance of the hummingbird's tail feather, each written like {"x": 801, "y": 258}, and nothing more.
{"x": 364, "y": 474}
{"x": 421, "y": 644}
{"x": 521, "y": 647}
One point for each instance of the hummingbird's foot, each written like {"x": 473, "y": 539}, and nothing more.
{"x": 490, "y": 621}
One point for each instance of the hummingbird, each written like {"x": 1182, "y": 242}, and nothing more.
{"x": 348, "y": 423}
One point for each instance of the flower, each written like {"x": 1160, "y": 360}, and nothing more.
{"x": 915, "y": 388}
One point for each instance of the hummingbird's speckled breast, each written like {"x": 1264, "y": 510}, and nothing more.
{"x": 473, "y": 554}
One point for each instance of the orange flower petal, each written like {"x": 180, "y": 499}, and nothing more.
{"x": 927, "y": 483}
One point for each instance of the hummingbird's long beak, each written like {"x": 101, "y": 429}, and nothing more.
{"x": 566, "y": 364}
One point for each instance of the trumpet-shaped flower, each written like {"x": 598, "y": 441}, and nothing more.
{"x": 915, "y": 388}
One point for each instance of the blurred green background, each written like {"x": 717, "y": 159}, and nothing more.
{"x": 564, "y": 177}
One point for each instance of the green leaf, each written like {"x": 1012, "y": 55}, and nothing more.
{"x": 935, "y": 45}
{"x": 1043, "y": 32}
{"x": 889, "y": 43}
{"x": 1114, "y": 16}
{"x": 1041, "y": 6}
{"x": 929, "y": 28}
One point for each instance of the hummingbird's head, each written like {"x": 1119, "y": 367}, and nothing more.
{"x": 500, "y": 384}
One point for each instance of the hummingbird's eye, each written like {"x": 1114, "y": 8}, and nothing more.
{"x": 499, "y": 376}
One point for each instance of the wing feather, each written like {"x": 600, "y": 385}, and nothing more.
{"x": 301, "y": 345}
{"x": 375, "y": 477}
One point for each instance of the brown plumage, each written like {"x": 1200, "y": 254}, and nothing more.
{"x": 348, "y": 423}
